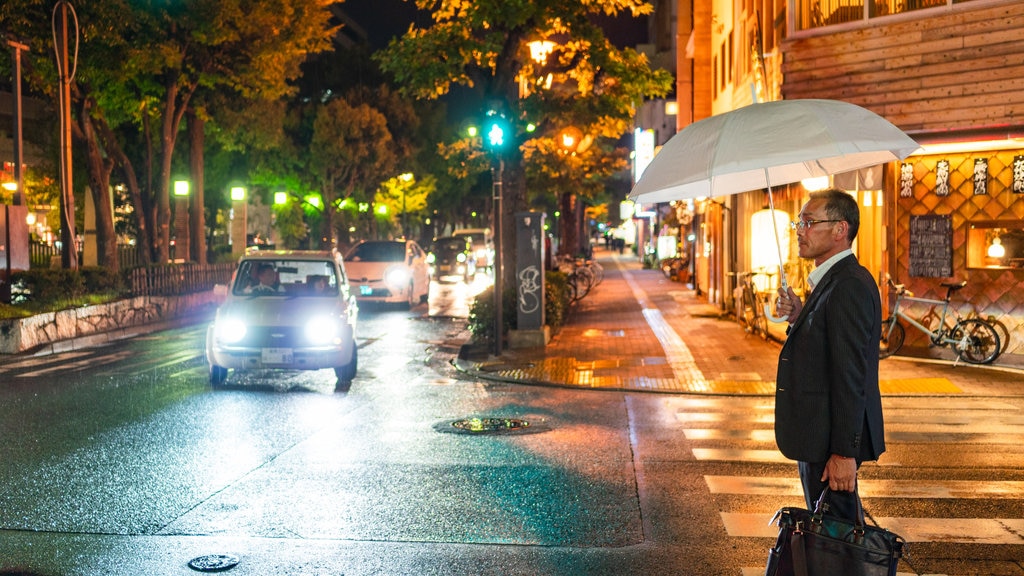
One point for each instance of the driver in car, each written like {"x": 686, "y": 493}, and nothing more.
{"x": 267, "y": 278}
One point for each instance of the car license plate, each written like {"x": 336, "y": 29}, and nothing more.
{"x": 277, "y": 355}
{"x": 365, "y": 290}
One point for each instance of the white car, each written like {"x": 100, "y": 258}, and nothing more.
{"x": 302, "y": 318}
{"x": 389, "y": 271}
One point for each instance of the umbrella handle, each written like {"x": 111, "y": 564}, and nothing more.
{"x": 768, "y": 309}
{"x": 773, "y": 318}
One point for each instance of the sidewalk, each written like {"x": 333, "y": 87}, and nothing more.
{"x": 640, "y": 331}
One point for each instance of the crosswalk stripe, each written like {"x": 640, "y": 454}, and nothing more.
{"x": 918, "y": 436}
{"x": 760, "y": 571}
{"x": 966, "y": 456}
{"x": 952, "y": 530}
{"x": 962, "y": 423}
{"x": 40, "y": 361}
{"x": 153, "y": 363}
{"x": 872, "y": 488}
{"x": 83, "y": 363}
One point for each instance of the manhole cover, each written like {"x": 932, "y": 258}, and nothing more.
{"x": 489, "y": 425}
{"x": 213, "y": 562}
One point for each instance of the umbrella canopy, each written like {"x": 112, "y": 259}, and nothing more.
{"x": 769, "y": 144}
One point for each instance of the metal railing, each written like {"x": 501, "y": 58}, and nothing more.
{"x": 48, "y": 256}
{"x": 166, "y": 280}
{"x": 177, "y": 279}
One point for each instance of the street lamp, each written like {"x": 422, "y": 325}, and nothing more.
{"x": 239, "y": 224}
{"x": 181, "y": 221}
{"x": 406, "y": 178}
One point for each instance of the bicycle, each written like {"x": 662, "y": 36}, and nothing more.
{"x": 974, "y": 340}
{"x": 582, "y": 276}
{"x": 749, "y": 302}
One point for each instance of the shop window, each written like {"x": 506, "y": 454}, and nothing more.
{"x": 996, "y": 244}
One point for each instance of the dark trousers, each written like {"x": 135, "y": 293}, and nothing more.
{"x": 841, "y": 504}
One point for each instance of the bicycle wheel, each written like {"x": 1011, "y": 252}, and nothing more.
{"x": 573, "y": 282}
{"x": 977, "y": 341}
{"x": 584, "y": 282}
{"x": 760, "y": 325}
{"x": 893, "y": 335}
{"x": 750, "y": 322}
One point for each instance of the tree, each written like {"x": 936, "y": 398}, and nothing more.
{"x": 350, "y": 153}
{"x": 404, "y": 195}
{"x": 483, "y": 46}
{"x": 137, "y": 79}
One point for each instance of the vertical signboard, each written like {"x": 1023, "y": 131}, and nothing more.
{"x": 529, "y": 280}
{"x": 931, "y": 246}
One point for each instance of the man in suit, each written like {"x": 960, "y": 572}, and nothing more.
{"x": 828, "y": 409}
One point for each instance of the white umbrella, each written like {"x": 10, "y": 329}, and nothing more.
{"x": 769, "y": 144}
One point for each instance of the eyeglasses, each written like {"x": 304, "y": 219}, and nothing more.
{"x": 805, "y": 224}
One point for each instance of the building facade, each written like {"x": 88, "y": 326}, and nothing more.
{"x": 950, "y": 73}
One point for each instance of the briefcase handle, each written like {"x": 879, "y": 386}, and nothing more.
{"x": 821, "y": 506}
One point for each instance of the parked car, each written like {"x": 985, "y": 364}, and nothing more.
{"x": 285, "y": 309}
{"x": 452, "y": 256}
{"x": 483, "y": 245}
{"x": 389, "y": 271}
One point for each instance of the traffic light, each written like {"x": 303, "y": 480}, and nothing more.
{"x": 497, "y": 132}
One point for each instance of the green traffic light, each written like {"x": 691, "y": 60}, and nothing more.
{"x": 496, "y": 136}
{"x": 497, "y": 131}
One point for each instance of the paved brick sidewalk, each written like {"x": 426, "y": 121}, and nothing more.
{"x": 640, "y": 331}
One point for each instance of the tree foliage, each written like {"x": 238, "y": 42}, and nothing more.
{"x": 141, "y": 64}
{"x": 584, "y": 82}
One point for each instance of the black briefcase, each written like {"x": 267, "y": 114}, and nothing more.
{"x": 819, "y": 544}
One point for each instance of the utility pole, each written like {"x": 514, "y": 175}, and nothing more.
{"x": 69, "y": 243}
{"x": 497, "y": 171}
{"x": 18, "y": 155}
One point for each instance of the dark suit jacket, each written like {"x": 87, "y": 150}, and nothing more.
{"x": 826, "y": 397}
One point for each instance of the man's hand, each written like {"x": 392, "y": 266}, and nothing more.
{"x": 788, "y": 304}
{"x": 840, "y": 473}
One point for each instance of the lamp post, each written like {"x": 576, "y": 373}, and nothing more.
{"x": 406, "y": 178}
{"x": 17, "y": 47}
{"x": 239, "y": 214}
{"x": 181, "y": 220}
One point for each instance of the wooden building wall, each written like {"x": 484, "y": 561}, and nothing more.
{"x": 946, "y": 69}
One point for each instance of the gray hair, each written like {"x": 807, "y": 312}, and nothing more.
{"x": 840, "y": 205}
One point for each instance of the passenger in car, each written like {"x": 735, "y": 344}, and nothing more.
{"x": 316, "y": 283}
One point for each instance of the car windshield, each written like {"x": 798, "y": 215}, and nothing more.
{"x": 265, "y": 277}
{"x": 450, "y": 244}
{"x": 377, "y": 252}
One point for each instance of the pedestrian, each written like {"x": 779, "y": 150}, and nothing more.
{"x": 828, "y": 409}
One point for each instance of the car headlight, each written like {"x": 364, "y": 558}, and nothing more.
{"x": 461, "y": 257}
{"x": 431, "y": 258}
{"x": 230, "y": 330}
{"x": 397, "y": 277}
{"x": 322, "y": 331}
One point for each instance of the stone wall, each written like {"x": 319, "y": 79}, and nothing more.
{"x": 120, "y": 319}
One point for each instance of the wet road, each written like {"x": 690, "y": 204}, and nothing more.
{"x": 122, "y": 460}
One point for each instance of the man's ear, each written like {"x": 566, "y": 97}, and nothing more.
{"x": 842, "y": 229}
